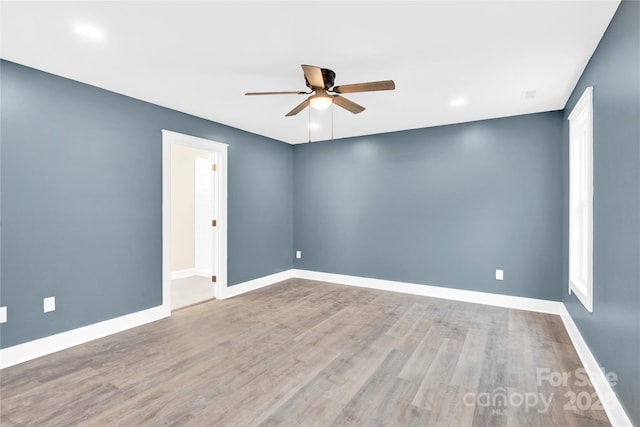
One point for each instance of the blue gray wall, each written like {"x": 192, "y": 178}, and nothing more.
{"x": 612, "y": 331}
{"x": 81, "y": 202}
{"x": 81, "y": 195}
{"x": 442, "y": 206}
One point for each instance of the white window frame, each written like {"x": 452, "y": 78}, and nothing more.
{"x": 581, "y": 199}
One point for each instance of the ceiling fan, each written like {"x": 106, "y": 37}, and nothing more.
{"x": 320, "y": 81}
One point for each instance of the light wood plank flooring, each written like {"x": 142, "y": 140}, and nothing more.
{"x": 305, "y": 353}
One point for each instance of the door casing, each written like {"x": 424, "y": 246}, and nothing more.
{"x": 220, "y": 202}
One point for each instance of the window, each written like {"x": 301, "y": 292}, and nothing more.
{"x": 581, "y": 199}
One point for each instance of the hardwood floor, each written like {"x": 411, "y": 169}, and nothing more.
{"x": 305, "y": 353}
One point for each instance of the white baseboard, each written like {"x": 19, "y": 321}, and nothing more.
{"x": 252, "y": 285}
{"x": 202, "y": 273}
{"x": 520, "y": 303}
{"x": 189, "y": 272}
{"x": 41, "y": 347}
{"x": 23, "y": 352}
{"x": 606, "y": 394}
{"x": 181, "y": 274}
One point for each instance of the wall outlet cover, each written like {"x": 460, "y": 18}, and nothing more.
{"x": 298, "y": 254}
{"x": 3, "y": 314}
{"x": 499, "y": 274}
{"x": 49, "y": 304}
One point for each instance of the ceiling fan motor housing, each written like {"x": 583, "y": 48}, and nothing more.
{"x": 328, "y": 76}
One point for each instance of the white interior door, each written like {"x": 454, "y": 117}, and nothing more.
{"x": 204, "y": 214}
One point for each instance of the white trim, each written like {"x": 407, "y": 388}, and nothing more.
{"x": 23, "y": 352}
{"x": 168, "y": 138}
{"x": 581, "y": 191}
{"x": 254, "y": 284}
{"x": 188, "y": 272}
{"x": 182, "y": 274}
{"x": 520, "y": 303}
{"x": 606, "y": 394}
{"x": 585, "y": 101}
{"x": 53, "y": 343}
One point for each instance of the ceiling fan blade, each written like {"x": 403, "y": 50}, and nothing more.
{"x": 278, "y": 93}
{"x": 365, "y": 87}
{"x": 347, "y": 104}
{"x": 304, "y": 104}
{"x": 313, "y": 75}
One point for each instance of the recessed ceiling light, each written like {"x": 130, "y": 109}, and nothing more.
{"x": 458, "y": 101}
{"x": 88, "y": 31}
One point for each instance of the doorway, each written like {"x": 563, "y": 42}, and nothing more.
{"x": 194, "y": 219}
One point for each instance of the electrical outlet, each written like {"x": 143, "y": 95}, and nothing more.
{"x": 499, "y": 274}
{"x": 298, "y": 254}
{"x": 3, "y": 314}
{"x": 49, "y": 304}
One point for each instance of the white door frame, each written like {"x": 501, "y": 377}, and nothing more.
{"x": 220, "y": 251}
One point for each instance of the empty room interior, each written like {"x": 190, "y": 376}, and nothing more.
{"x": 303, "y": 213}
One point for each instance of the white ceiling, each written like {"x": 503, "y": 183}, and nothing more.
{"x": 201, "y": 57}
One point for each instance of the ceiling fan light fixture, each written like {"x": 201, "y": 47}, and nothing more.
{"x": 321, "y": 101}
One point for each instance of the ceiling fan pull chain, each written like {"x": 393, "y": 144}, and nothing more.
{"x": 309, "y": 125}
{"x": 332, "y": 108}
